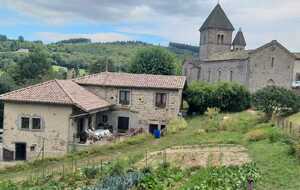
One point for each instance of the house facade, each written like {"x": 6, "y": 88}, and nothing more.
{"x": 224, "y": 58}
{"x": 45, "y": 119}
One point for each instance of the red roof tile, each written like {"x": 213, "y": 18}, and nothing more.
{"x": 133, "y": 80}
{"x": 57, "y": 92}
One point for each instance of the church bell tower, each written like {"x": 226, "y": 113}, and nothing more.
{"x": 215, "y": 33}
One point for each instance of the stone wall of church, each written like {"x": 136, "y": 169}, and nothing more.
{"x": 213, "y": 71}
{"x": 270, "y": 66}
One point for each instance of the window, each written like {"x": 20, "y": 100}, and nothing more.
{"x": 36, "y": 123}
{"x": 272, "y": 63}
{"x": 161, "y": 100}
{"x": 219, "y": 75}
{"x": 222, "y": 39}
{"x": 124, "y": 97}
{"x": 30, "y": 123}
{"x": 231, "y": 76}
{"x": 104, "y": 118}
{"x": 208, "y": 79}
{"x": 218, "y": 39}
{"x": 199, "y": 74}
{"x": 25, "y": 122}
{"x": 297, "y": 76}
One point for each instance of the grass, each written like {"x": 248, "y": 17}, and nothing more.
{"x": 279, "y": 169}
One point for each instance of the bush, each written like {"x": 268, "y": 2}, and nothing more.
{"x": 256, "y": 135}
{"x": 276, "y": 100}
{"x": 90, "y": 172}
{"x": 228, "y": 97}
{"x": 177, "y": 124}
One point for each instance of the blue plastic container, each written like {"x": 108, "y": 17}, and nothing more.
{"x": 157, "y": 134}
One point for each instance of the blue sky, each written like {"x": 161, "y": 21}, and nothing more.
{"x": 154, "y": 21}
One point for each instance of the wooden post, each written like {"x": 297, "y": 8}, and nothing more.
{"x": 250, "y": 184}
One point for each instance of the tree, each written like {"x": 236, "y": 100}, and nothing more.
{"x": 21, "y": 38}
{"x": 153, "y": 61}
{"x": 32, "y": 68}
{"x": 6, "y": 84}
{"x": 102, "y": 65}
{"x": 276, "y": 100}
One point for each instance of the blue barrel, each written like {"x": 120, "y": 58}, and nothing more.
{"x": 157, "y": 133}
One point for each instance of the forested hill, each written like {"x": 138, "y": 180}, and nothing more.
{"x": 78, "y": 53}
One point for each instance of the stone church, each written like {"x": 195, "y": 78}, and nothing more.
{"x": 223, "y": 59}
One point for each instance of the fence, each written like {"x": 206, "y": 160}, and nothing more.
{"x": 287, "y": 126}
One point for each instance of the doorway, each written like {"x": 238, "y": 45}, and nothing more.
{"x": 152, "y": 128}
{"x": 20, "y": 151}
{"x": 123, "y": 124}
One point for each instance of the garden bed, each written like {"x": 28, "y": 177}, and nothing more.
{"x": 198, "y": 156}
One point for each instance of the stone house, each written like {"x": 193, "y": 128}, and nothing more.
{"x": 223, "y": 59}
{"x": 50, "y": 116}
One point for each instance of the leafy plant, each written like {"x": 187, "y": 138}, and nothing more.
{"x": 223, "y": 178}
{"x": 177, "y": 124}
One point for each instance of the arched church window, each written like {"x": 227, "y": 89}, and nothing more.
{"x": 219, "y": 75}
{"x": 199, "y": 73}
{"x": 272, "y": 62}
{"x": 219, "y": 39}
{"x": 231, "y": 76}
{"x": 222, "y": 39}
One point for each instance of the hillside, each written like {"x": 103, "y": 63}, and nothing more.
{"x": 274, "y": 166}
{"x": 79, "y": 53}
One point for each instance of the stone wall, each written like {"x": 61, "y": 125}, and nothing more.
{"x": 142, "y": 110}
{"x": 213, "y": 71}
{"x": 270, "y": 66}
{"x": 296, "y": 69}
{"x": 55, "y": 128}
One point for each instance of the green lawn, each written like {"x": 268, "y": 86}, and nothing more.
{"x": 279, "y": 169}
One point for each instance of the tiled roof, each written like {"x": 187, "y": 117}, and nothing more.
{"x": 217, "y": 20}
{"x": 57, "y": 92}
{"x": 133, "y": 80}
{"x": 231, "y": 55}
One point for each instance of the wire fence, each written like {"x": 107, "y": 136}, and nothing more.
{"x": 288, "y": 126}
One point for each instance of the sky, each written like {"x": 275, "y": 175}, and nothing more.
{"x": 152, "y": 21}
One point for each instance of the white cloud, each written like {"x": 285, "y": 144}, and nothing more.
{"x": 97, "y": 37}
{"x": 173, "y": 20}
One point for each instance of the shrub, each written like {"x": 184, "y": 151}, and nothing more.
{"x": 226, "y": 96}
{"x": 177, "y": 124}
{"x": 256, "y": 135}
{"x": 212, "y": 113}
{"x": 90, "y": 172}
{"x": 276, "y": 100}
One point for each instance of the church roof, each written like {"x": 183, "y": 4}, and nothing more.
{"x": 217, "y": 20}
{"x": 239, "y": 39}
{"x": 231, "y": 55}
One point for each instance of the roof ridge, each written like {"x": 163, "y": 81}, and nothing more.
{"x": 27, "y": 87}
{"x": 69, "y": 95}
